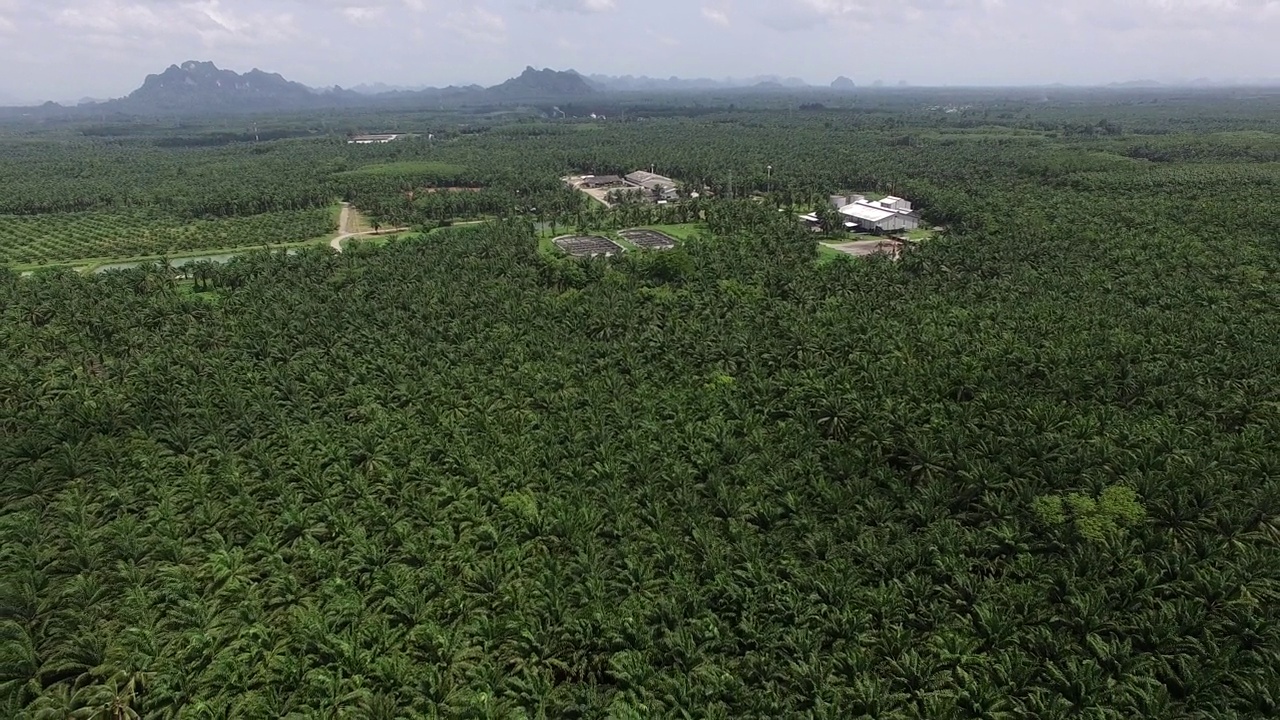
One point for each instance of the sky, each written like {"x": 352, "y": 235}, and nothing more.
{"x": 69, "y": 49}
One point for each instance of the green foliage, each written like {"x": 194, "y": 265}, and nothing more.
{"x": 434, "y": 171}
{"x": 663, "y": 266}
{"x": 1096, "y": 519}
{"x": 454, "y": 477}
{"x": 77, "y": 236}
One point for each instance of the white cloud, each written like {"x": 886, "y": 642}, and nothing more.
{"x": 46, "y": 44}
{"x": 478, "y": 25}
{"x": 363, "y": 15}
{"x": 8, "y": 9}
{"x": 109, "y": 16}
{"x": 716, "y": 15}
{"x": 112, "y": 22}
{"x": 579, "y": 6}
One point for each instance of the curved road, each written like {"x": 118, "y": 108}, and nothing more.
{"x": 345, "y": 232}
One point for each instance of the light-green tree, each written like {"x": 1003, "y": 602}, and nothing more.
{"x": 1117, "y": 507}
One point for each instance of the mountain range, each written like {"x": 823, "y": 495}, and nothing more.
{"x": 203, "y": 88}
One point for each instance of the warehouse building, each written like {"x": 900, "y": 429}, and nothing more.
{"x": 601, "y": 181}
{"x": 654, "y": 183}
{"x": 888, "y": 214}
{"x": 373, "y": 139}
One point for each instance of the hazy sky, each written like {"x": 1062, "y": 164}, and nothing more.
{"x": 67, "y": 49}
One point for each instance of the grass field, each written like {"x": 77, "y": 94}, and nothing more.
{"x": 407, "y": 167}
{"x": 681, "y": 232}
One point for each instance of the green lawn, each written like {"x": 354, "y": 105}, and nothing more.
{"x": 920, "y": 234}
{"x": 829, "y": 254}
{"x": 683, "y": 231}
{"x": 625, "y": 243}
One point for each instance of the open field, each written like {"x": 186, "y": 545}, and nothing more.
{"x": 682, "y": 232}
{"x": 408, "y": 167}
{"x": 864, "y": 248}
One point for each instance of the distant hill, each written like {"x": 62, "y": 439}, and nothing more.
{"x": 202, "y": 88}
{"x": 543, "y": 83}
{"x": 200, "y": 85}
{"x": 196, "y": 87}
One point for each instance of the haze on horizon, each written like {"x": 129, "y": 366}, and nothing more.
{"x": 67, "y": 49}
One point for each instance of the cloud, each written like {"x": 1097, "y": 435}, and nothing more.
{"x": 478, "y": 25}
{"x": 363, "y": 15}
{"x": 716, "y": 15}
{"x": 113, "y": 22}
{"x": 110, "y": 17}
{"x": 578, "y": 6}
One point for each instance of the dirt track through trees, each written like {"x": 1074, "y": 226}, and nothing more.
{"x": 346, "y": 228}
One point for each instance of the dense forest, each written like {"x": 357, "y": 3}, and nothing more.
{"x": 1030, "y": 469}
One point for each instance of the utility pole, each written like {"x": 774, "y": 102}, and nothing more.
{"x": 769, "y": 178}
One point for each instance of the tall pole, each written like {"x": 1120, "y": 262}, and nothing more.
{"x": 769, "y": 177}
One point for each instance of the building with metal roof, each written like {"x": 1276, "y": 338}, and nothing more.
{"x": 894, "y": 203}
{"x": 598, "y": 181}
{"x": 373, "y": 139}
{"x": 653, "y": 182}
{"x": 879, "y": 216}
{"x": 647, "y": 179}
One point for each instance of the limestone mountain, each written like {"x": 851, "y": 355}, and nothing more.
{"x": 544, "y": 83}
{"x": 193, "y": 85}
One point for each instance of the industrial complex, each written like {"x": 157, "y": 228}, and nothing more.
{"x": 658, "y": 188}
{"x": 888, "y": 214}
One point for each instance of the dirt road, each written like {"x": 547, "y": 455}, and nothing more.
{"x": 863, "y": 248}
{"x": 346, "y": 230}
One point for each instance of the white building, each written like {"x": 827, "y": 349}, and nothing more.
{"x": 886, "y": 215}
{"x": 895, "y": 203}
{"x": 653, "y": 182}
{"x": 372, "y": 139}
